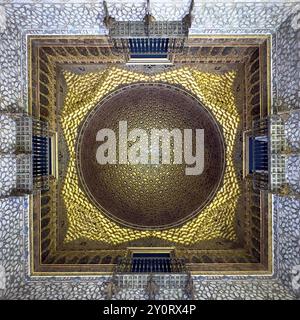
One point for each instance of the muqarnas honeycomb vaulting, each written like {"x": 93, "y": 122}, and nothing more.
{"x": 78, "y": 229}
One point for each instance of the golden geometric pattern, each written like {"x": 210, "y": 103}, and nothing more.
{"x": 215, "y": 91}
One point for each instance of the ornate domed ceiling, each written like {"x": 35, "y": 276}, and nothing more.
{"x": 240, "y": 60}
{"x": 92, "y": 213}
{"x": 151, "y": 196}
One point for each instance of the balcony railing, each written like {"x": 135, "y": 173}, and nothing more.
{"x": 159, "y": 29}
{"x": 152, "y": 274}
{"x": 151, "y": 265}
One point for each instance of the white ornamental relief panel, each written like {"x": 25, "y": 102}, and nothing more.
{"x": 295, "y": 24}
{"x": 2, "y": 278}
{"x": 296, "y": 278}
{"x": 2, "y": 19}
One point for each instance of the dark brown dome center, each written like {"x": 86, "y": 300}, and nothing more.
{"x": 150, "y": 196}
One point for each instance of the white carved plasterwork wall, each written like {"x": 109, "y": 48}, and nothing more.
{"x": 287, "y": 73}
{"x": 286, "y": 85}
{"x": 84, "y": 17}
{"x": 288, "y": 211}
